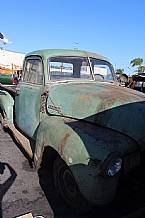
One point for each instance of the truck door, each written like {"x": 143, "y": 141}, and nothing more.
{"x": 27, "y": 101}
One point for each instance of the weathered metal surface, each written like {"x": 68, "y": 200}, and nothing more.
{"x": 43, "y": 102}
{"x": 46, "y": 53}
{"x": 84, "y": 121}
{"x": 88, "y": 99}
{"x": 54, "y": 132}
{"x": 6, "y": 104}
{"x": 27, "y": 108}
{"x": 118, "y": 108}
{"x": 62, "y": 144}
{"x": 21, "y": 139}
{"x": 78, "y": 142}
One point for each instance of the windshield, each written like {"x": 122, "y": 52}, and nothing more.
{"x": 84, "y": 68}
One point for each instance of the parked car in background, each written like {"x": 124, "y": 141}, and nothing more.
{"x": 71, "y": 117}
{"x": 122, "y": 79}
{"x": 9, "y": 79}
{"x": 6, "y": 79}
{"x": 138, "y": 82}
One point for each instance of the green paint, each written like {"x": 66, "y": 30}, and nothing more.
{"x": 83, "y": 120}
{"x": 6, "y": 104}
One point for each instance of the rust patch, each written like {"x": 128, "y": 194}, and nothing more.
{"x": 43, "y": 102}
{"x": 62, "y": 144}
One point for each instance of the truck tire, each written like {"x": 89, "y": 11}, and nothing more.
{"x": 66, "y": 186}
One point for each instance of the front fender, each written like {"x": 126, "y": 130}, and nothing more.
{"x": 78, "y": 142}
{"x": 6, "y": 104}
{"x": 53, "y": 132}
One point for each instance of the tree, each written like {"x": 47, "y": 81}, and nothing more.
{"x": 119, "y": 71}
{"x": 138, "y": 62}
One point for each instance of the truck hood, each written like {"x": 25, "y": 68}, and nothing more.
{"x": 103, "y": 103}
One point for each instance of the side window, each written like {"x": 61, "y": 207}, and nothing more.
{"x": 33, "y": 71}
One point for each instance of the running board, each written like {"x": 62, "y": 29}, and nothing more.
{"x": 21, "y": 139}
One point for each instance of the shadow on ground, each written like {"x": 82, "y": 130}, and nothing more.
{"x": 6, "y": 180}
{"x": 129, "y": 203}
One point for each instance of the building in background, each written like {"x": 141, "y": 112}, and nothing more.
{"x": 10, "y": 66}
{"x": 10, "y": 61}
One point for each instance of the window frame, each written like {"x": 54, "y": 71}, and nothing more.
{"x": 33, "y": 57}
{"x": 89, "y": 64}
{"x": 63, "y": 56}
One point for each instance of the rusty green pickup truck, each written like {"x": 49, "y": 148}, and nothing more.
{"x": 68, "y": 112}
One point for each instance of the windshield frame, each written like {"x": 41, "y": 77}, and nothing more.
{"x": 88, "y": 58}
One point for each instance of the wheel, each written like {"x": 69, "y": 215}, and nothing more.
{"x": 66, "y": 186}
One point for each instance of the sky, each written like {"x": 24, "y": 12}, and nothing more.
{"x": 113, "y": 28}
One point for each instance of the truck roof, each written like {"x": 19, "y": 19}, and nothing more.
{"x": 46, "y": 53}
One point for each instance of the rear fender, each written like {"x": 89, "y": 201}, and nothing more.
{"x": 6, "y": 105}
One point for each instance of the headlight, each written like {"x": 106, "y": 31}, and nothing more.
{"x": 114, "y": 167}
{"x": 111, "y": 165}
